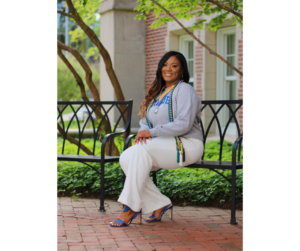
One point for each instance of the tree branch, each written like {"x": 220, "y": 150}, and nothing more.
{"x": 106, "y": 57}
{"x": 83, "y": 95}
{"x": 64, "y": 13}
{"x": 79, "y": 81}
{"x": 91, "y": 85}
{"x": 104, "y": 53}
{"x": 198, "y": 40}
{"x": 224, "y": 7}
{"x": 75, "y": 74}
{"x": 108, "y": 65}
{"x": 85, "y": 66}
{"x": 238, "y": 20}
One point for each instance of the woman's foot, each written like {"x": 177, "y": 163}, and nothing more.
{"x": 124, "y": 216}
{"x": 157, "y": 213}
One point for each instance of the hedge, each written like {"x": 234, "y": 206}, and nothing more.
{"x": 196, "y": 185}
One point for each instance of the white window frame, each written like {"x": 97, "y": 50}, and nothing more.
{"x": 221, "y": 86}
{"x": 183, "y": 50}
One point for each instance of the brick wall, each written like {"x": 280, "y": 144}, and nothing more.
{"x": 155, "y": 48}
{"x": 199, "y": 61}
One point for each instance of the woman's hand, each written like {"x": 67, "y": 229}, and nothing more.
{"x": 142, "y": 136}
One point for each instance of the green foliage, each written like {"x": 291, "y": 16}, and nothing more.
{"x": 187, "y": 9}
{"x": 77, "y": 177}
{"x": 87, "y": 9}
{"x": 88, "y": 12}
{"x": 68, "y": 109}
{"x": 74, "y": 125}
{"x": 72, "y": 149}
{"x": 67, "y": 87}
{"x": 197, "y": 185}
{"x": 212, "y": 150}
{"x": 92, "y": 51}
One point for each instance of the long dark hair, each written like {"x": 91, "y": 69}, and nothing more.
{"x": 159, "y": 82}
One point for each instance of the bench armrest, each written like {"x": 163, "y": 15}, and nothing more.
{"x": 106, "y": 138}
{"x": 128, "y": 140}
{"x": 236, "y": 144}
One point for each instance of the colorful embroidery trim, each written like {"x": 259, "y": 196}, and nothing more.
{"x": 179, "y": 146}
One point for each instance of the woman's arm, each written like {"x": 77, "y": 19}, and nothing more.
{"x": 142, "y": 136}
{"x": 143, "y": 124}
{"x": 188, "y": 104}
{"x": 143, "y": 132}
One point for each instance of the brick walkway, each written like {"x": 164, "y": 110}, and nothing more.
{"x": 82, "y": 227}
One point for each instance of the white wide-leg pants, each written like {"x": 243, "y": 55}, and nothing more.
{"x": 137, "y": 161}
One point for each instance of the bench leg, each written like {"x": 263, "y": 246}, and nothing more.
{"x": 154, "y": 178}
{"x": 124, "y": 179}
{"x": 102, "y": 209}
{"x": 233, "y": 185}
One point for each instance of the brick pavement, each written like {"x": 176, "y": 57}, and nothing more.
{"x": 81, "y": 227}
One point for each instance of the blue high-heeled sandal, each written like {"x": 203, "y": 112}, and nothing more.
{"x": 139, "y": 214}
{"x": 166, "y": 208}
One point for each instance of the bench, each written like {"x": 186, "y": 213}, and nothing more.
{"x": 119, "y": 111}
{"x": 219, "y": 119}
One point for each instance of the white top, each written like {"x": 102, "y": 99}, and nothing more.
{"x": 186, "y": 113}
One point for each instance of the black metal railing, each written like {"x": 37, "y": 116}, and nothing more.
{"x": 207, "y": 105}
{"x": 92, "y": 110}
{"x": 220, "y": 106}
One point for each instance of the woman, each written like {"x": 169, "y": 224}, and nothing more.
{"x": 169, "y": 137}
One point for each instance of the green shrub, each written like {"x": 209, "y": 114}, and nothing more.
{"x": 197, "y": 185}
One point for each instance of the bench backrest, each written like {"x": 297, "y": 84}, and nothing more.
{"x": 216, "y": 121}
{"x": 81, "y": 115}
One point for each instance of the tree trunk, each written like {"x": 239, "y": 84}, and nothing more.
{"x": 93, "y": 88}
{"x": 104, "y": 53}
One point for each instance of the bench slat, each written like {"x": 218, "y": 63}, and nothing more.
{"x": 86, "y": 158}
{"x": 211, "y": 164}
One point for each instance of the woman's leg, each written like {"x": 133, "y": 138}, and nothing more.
{"x": 137, "y": 161}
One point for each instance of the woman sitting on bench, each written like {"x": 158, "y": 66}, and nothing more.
{"x": 170, "y": 137}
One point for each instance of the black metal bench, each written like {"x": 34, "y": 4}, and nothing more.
{"x": 123, "y": 108}
{"x": 214, "y": 123}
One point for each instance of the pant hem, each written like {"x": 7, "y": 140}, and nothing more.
{"x": 130, "y": 204}
{"x": 152, "y": 205}
{"x": 148, "y": 206}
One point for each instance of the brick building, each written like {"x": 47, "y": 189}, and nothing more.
{"x": 136, "y": 49}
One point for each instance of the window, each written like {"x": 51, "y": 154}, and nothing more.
{"x": 230, "y": 77}
{"x": 226, "y": 76}
{"x": 186, "y": 47}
